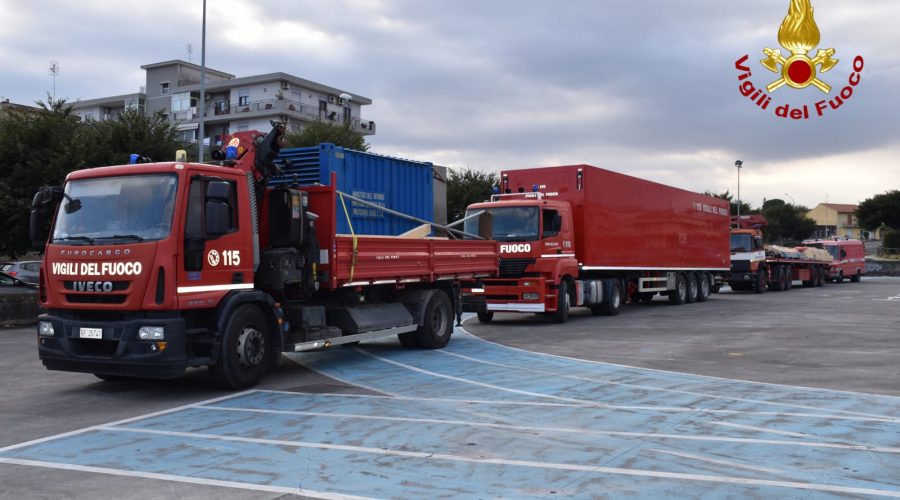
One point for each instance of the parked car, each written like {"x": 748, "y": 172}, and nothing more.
{"x": 26, "y": 270}
{"x": 7, "y": 281}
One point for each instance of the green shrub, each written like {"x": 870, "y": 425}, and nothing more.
{"x": 891, "y": 239}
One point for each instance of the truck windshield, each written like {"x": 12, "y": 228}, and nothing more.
{"x": 741, "y": 243}
{"x": 117, "y": 209}
{"x": 505, "y": 223}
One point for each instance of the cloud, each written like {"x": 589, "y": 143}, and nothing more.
{"x": 648, "y": 88}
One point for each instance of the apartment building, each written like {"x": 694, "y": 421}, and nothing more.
{"x": 232, "y": 103}
{"x": 835, "y": 220}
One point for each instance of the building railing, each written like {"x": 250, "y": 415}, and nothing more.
{"x": 289, "y": 108}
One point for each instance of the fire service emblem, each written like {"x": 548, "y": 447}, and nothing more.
{"x": 799, "y": 35}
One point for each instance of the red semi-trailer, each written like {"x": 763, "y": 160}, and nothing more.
{"x": 579, "y": 235}
{"x": 151, "y": 268}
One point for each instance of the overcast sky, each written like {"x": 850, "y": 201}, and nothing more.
{"x": 647, "y": 88}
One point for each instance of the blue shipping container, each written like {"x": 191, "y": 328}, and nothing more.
{"x": 402, "y": 185}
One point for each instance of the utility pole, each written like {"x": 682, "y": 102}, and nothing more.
{"x": 201, "y": 132}
{"x": 54, "y": 72}
{"x": 738, "y": 165}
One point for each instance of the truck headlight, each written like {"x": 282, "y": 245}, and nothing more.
{"x": 45, "y": 329}
{"x": 152, "y": 333}
{"x": 530, "y": 296}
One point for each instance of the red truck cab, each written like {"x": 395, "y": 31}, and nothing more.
{"x": 536, "y": 250}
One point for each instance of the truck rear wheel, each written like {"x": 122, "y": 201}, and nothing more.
{"x": 703, "y": 288}
{"x": 856, "y": 277}
{"x": 820, "y": 276}
{"x": 613, "y": 305}
{"x": 788, "y": 278}
{"x": 679, "y": 294}
{"x": 562, "y": 303}
{"x": 691, "y": 288}
{"x": 243, "y": 349}
{"x": 438, "y": 325}
{"x": 777, "y": 282}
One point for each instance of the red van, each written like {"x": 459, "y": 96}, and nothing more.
{"x": 849, "y": 258}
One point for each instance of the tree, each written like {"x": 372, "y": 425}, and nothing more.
{"x": 35, "y": 150}
{"x": 732, "y": 202}
{"x": 787, "y": 223}
{"x": 880, "y": 209}
{"x": 41, "y": 149}
{"x": 317, "y": 132}
{"x": 465, "y": 187}
{"x": 113, "y": 141}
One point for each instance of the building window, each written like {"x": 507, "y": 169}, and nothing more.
{"x": 164, "y": 88}
{"x": 243, "y": 97}
{"x": 132, "y": 103}
{"x": 181, "y": 101}
{"x": 849, "y": 219}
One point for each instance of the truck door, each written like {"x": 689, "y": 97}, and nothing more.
{"x": 217, "y": 254}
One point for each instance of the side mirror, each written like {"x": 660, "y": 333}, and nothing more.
{"x": 42, "y": 206}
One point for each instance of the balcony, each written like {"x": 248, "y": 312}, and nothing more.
{"x": 283, "y": 107}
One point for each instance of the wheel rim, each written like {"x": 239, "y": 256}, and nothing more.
{"x": 616, "y": 298}
{"x": 251, "y": 347}
{"x": 704, "y": 286}
{"x": 682, "y": 290}
{"x": 438, "y": 321}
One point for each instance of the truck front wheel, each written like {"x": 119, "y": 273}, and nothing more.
{"x": 485, "y": 316}
{"x": 760, "y": 285}
{"x": 243, "y": 349}
{"x": 438, "y": 325}
{"x": 562, "y": 303}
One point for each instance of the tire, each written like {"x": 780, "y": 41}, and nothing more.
{"x": 612, "y": 306}
{"x": 840, "y": 278}
{"x": 244, "y": 349}
{"x": 820, "y": 277}
{"x": 788, "y": 278}
{"x": 759, "y": 286}
{"x": 776, "y": 284}
{"x": 112, "y": 378}
{"x": 408, "y": 340}
{"x": 562, "y": 303}
{"x": 856, "y": 277}
{"x": 691, "y": 288}
{"x": 679, "y": 294}
{"x": 485, "y": 316}
{"x": 438, "y": 325}
{"x": 703, "y": 288}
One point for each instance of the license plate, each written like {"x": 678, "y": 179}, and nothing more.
{"x": 91, "y": 333}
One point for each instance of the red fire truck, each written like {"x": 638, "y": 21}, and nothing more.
{"x": 151, "y": 268}
{"x": 579, "y": 235}
{"x": 849, "y": 258}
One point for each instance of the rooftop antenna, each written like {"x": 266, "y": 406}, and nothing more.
{"x": 190, "y": 51}
{"x": 54, "y": 72}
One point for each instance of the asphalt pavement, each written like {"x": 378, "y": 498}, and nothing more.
{"x": 786, "y": 394}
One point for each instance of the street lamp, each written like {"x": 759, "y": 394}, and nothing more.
{"x": 738, "y": 165}
{"x": 792, "y": 199}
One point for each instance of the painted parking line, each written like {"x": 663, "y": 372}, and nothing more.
{"x": 479, "y": 420}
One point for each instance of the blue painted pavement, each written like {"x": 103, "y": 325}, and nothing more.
{"x": 479, "y": 420}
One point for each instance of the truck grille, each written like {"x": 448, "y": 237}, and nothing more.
{"x": 80, "y": 298}
{"x": 511, "y": 268}
{"x": 740, "y": 266}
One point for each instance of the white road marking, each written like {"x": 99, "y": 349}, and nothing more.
{"x": 672, "y": 409}
{"x": 652, "y": 435}
{"x": 528, "y": 463}
{"x": 123, "y": 421}
{"x": 762, "y": 429}
{"x": 717, "y": 461}
{"x": 184, "y": 479}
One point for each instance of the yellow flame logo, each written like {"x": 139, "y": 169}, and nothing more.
{"x": 799, "y": 34}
